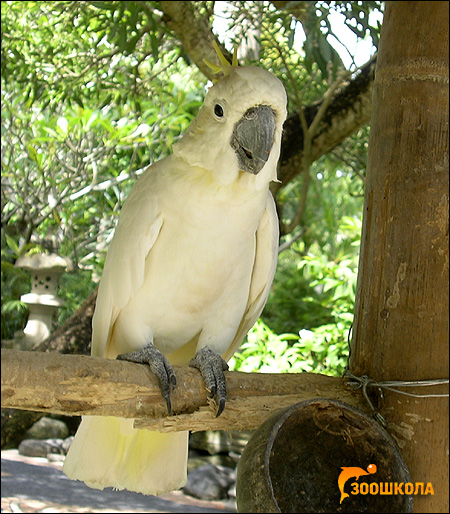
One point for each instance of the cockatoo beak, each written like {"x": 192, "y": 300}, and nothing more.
{"x": 253, "y": 137}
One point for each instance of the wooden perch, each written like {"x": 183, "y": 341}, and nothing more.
{"x": 81, "y": 385}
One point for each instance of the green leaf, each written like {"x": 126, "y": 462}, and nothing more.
{"x": 12, "y": 245}
{"x": 14, "y": 306}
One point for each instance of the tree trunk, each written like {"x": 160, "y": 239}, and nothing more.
{"x": 401, "y": 312}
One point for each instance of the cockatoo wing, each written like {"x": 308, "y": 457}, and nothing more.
{"x": 266, "y": 256}
{"x": 123, "y": 274}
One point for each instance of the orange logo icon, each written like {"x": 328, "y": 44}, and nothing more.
{"x": 347, "y": 473}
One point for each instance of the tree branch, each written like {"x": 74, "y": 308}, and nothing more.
{"x": 348, "y": 111}
{"x": 195, "y": 33}
{"x": 82, "y": 385}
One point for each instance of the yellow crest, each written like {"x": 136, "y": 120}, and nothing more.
{"x": 225, "y": 66}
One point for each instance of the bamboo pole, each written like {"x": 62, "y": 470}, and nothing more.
{"x": 81, "y": 385}
{"x": 401, "y": 325}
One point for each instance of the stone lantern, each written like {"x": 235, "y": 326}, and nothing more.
{"x": 43, "y": 301}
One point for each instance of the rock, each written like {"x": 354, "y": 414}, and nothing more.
{"x": 66, "y": 444}
{"x": 47, "y": 428}
{"x": 55, "y": 457}
{"x": 232, "y": 491}
{"x": 199, "y": 458}
{"x": 39, "y": 448}
{"x": 210, "y": 482}
{"x": 14, "y": 425}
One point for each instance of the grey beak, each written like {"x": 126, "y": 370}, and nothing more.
{"x": 252, "y": 138}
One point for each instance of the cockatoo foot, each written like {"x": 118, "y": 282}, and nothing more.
{"x": 159, "y": 366}
{"x": 211, "y": 366}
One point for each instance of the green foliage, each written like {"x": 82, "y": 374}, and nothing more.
{"x": 357, "y": 19}
{"x": 266, "y": 352}
{"x": 319, "y": 351}
{"x": 311, "y": 303}
{"x": 73, "y": 144}
{"x": 15, "y": 283}
{"x": 79, "y": 52}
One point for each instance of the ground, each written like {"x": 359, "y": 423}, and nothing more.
{"x": 36, "y": 485}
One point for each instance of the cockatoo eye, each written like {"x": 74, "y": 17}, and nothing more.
{"x": 218, "y": 111}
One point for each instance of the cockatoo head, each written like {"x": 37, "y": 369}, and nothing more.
{"x": 238, "y": 128}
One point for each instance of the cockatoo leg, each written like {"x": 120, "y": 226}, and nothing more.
{"x": 211, "y": 366}
{"x": 159, "y": 366}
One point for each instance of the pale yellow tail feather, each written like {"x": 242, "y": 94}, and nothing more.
{"x": 109, "y": 452}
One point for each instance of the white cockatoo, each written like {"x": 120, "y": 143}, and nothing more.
{"x": 188, "y": 272}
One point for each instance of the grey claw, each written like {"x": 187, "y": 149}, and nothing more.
{"x": 211, "y": 366}
{"x": 159, "y": 366}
